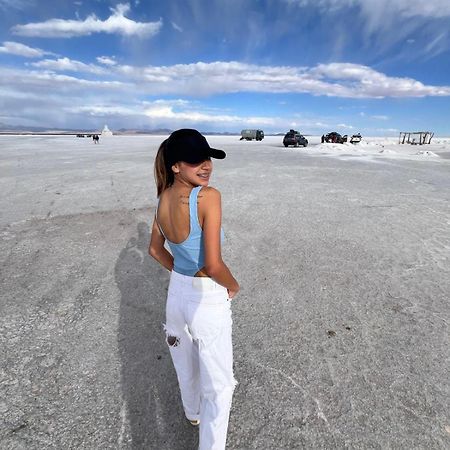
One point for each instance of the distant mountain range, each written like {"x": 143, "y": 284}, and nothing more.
{"x": 21, "y": 129}
{"x": 6, "y": 128}
{"x": 162, "y": 131}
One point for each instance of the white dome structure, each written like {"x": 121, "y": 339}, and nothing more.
{"x": 106, "y": 131}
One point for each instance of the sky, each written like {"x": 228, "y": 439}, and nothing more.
{"x": 371, "y": 66}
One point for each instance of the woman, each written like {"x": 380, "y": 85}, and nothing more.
{"x": 198, "y": 314}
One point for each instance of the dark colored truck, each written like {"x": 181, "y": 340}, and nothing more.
{"x": 334, "y": 138}
{"x": 294, "y": 138}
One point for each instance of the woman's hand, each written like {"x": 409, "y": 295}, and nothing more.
{"x": 232, "y": 293}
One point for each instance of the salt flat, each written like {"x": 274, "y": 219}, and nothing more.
{"x": 341, "y": 328}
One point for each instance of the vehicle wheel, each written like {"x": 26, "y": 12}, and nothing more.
{"x": 285, "y": 145}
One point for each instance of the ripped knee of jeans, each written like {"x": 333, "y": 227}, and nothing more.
{"x": 171, "y": 339}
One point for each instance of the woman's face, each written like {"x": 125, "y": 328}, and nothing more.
{"x": 194, "y": 174}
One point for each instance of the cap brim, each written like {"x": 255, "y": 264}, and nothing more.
{"x": 210, "y": 153}
{"x": 218, "y": 154}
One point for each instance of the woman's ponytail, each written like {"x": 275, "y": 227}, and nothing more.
{"x": 163, "y": 177}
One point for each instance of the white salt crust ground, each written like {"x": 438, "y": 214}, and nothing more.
{"x": 340, "y": 330}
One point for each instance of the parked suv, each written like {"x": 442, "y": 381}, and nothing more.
{"x": 334, "y": 137}
{"x": 294, "y": 138}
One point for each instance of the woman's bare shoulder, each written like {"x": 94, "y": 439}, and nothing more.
{"x": 210, "y": 194}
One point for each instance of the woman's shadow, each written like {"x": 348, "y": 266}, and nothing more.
{"x": 149, "y": 385}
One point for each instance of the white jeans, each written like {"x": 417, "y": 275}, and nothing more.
{"x": 198, "y": 328}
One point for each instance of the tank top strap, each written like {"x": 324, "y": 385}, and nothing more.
{"x": 193, "y": 209}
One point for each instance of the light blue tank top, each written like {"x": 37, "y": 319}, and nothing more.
{"x": 189, "y": 255}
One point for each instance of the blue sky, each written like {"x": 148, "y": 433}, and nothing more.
{"x": 369, "y": 66}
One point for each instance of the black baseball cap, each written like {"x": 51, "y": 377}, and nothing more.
{"x": 190, "y": 146}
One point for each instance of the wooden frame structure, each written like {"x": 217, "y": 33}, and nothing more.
{"x": 415, "y": 137}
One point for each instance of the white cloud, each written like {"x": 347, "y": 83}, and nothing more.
{"x": 103, "y": 110}
{"x": 106, "y": 60}
{"x": 387, "y": 23}
{"x": 50, "y": 82}
{"x": 173, "y": 112}
{"x": 436, "y": 45}
{"x": 344, "y": 125}
{"x": 178, "y": 102}
{"x": 161, "y": 110}
{"x": 15, "y": 48}
{"x": 334, "y": 80}
{"x": 118, "y": 92}
{"x": 344, "y": 80}
{"x": 176, "y": 27}
{"x": 69, "y": 65}
{"x": 117, "y": 23}
{"x": 355, "y": 80}
{"x": 377, "y": 9}
{"x": 409, "y": 8}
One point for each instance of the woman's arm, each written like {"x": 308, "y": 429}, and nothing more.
{"x": 212, "y": 217}
{"x": 157, "y": 250}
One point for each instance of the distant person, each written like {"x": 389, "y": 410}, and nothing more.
{"x": 198, "y": 310}
{"x": 95, "y": 138}
{"x": 322, "y": 139}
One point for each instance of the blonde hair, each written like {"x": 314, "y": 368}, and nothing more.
{"x": 164, "y": 178}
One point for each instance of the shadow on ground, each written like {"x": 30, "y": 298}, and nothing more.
{"x": 149, "y": 385}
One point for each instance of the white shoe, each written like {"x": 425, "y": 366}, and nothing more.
{"x": 194, "y": 422}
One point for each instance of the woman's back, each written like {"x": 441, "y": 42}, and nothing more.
{"x": 182, "y": 229}
{"x": 173, "y": 214}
